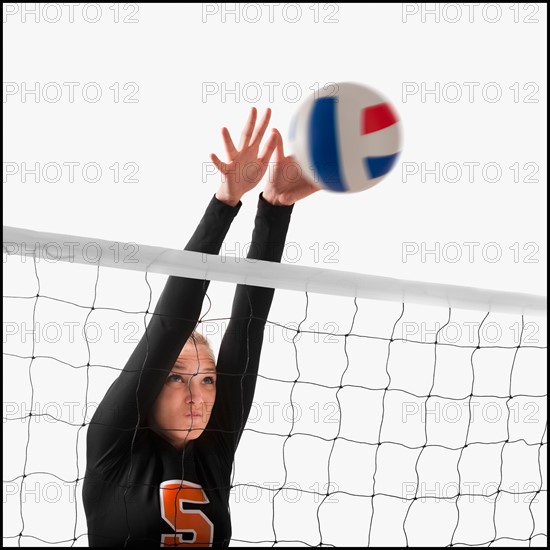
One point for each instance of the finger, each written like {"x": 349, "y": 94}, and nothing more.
{"x": 230, "y": 148}
{"x": 279, "y": 150}
{"x": 247, "y": 132}
{"x": 269, "y": 148}
{"x": 258, "y": 136}
{"x": 218, "y": 163}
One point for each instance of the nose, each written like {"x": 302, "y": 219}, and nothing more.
{"x": 193, "y": 395}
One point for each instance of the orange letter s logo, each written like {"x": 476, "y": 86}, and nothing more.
{"x": 173, "y": 494}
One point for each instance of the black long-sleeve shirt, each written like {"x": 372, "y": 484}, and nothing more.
{"x": 139, "y": 490}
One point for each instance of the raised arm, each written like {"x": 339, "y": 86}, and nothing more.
{"x": 131, "y": 396}
{"x": 239, "y": 356}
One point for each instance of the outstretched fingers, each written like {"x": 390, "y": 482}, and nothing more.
{"x": 258, "y": 136}
{"x": 221, "y": 166}
{"x": 230, "y": 148}
{"x": 279, "y": 149}
{"x": 269, "y": 148}
{"x": 248, "y": 129}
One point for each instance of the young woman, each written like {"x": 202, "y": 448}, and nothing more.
{"x": 161, "y": 445}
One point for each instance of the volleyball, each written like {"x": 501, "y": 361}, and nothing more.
{"x": 346, "y": 137}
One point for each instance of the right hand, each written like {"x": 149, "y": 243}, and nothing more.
{"x": 245, "y": 168}
{"x": 287, "y": 184}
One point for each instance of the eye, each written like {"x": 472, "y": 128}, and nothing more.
{"x": 174, "y": 378}
{"x": 212, "y": 381}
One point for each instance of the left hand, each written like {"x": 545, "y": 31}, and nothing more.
{"x": 246, "y": 166}
{"x": 286, "y": 183}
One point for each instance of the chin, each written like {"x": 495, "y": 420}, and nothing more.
{"x": 195, "y": 434}
{"x": 195, "y": 431}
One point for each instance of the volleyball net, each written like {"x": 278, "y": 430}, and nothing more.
{"x": 386, "y": 412}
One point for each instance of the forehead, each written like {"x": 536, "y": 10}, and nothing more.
{"x": 193, "y": 359}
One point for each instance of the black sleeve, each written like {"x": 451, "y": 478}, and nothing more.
{"x": 239, "y": 354}
{"x": 132, "y": 394}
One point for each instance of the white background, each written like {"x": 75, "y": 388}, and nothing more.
{"x": 176, "y": 52}
{"x": 170, "y": 53}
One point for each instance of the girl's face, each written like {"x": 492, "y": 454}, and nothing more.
{"x": 184, "y": 405}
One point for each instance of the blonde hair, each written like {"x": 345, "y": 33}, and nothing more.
{"x": 197, "y": 339}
